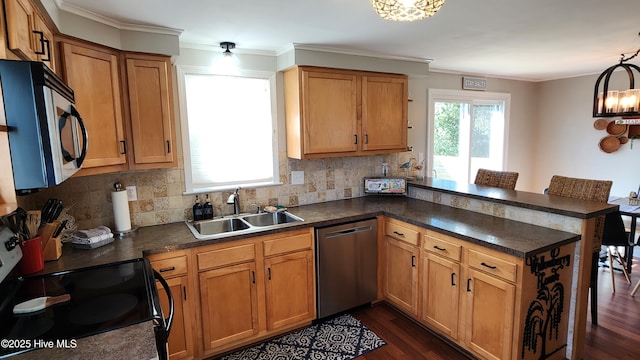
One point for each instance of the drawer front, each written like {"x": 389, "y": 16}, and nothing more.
{"x": 401, "y": 233}
{"x": 443, "y": 248}
{"x": 226, "y": 256}
{"x": 492, "y": 265}
{"x": 171, "y": 267}
{"x": 287, "y": 244}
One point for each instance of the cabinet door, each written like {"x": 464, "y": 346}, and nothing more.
{"x": 92, "y": 73}
{"x": 151, "y": 114}
{"x": 440, "y": 294}
{"x": 290, "y": 289}
{"x": 489, "y": 312}
{"x": 229, "y": 302}
{"x": 20, "y": 23}
{"x": 401, "y": 275}
{"x": 181, "y": 335}
{"x": 384, "y": 113}
{"x": 329, "y": 113}
{"x": 46, "y": 47}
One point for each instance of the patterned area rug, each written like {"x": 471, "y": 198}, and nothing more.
{"x": 340, "y": 338}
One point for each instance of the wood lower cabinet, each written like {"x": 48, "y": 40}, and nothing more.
{"x": 336, "y": 112}
{"x": 174, "y": 268}
{"x": 255, "y": 288}
{"x": 229, "y": 301}
{"x": 289, "y": 289}
{"x": 489, "y": 315}
{"x": 493, "y": 304}
{"x": 401, "y": 253}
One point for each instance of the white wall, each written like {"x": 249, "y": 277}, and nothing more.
{"x": 567, "y": 143}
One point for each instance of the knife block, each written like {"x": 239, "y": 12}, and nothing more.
{"x": 51, "y": 246}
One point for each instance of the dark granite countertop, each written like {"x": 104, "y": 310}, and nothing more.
{"x": 561, "y": 205}
{"x": 512, "y": 237}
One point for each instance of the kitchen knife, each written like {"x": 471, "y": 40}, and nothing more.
{"x": 40, "y": 303}
{"x": 57, "y": 209}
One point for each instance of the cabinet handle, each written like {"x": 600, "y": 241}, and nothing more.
{"x": 168, "y": 147}
{"x": 489, "y": 266}
{"x": 356, "y": 139}
{"x": 47, "y": 51}
{"x": 269, "y": 273}
{"x": 253, "y": 276}
{"x": 468, "y": 285}
{"x": 42, "y": 40}
{"x": 413, "y": 261}
{"x": 124, "y": 147}
{"x": 453, "y": 279}
{"x": 171, "y": 268}
{"x": 184, "y": 291}
{"x": 366, "y": 138}
{"x": 397, "y": 233}
{"x": 439, "y": 248}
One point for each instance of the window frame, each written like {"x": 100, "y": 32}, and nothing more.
{"x": 470, "y": 97}
{"x": 181, "y": 72}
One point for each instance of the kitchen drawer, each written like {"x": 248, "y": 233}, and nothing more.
{"x": 170, "y": 267}
{"x": 402, "y": 233}
{"x": 287, "y": 244}
{"x": 226, "y": 256}
{"x": 492, "y": 265}
{"x": 442, "y": 247}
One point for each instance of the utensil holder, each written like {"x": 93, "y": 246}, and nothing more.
{"x": 32, "y": 257}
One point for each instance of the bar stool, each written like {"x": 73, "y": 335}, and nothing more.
{"x": 585, "y": 189}
{"x": 615, "y": 235}
{"x": 501, "y": 179}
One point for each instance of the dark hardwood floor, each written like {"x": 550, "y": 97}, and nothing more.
{"x": 617, "y": 335}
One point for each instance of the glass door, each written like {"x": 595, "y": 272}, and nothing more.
{"x": 468, "y": 134}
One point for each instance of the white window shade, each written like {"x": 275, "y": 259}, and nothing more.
{"x": 229, "y": 131}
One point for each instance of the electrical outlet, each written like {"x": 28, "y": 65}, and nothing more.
{"x": 132, "y": 193}
{"x": 297, "y": 177}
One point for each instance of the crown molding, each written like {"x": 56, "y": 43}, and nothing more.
{"x": 73, "y": 9}
{"x": 343, "y": 51}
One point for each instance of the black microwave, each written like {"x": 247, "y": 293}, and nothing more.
{"x": 47, "y": 138}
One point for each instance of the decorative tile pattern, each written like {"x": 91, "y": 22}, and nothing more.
{"x": 340, "y": 338}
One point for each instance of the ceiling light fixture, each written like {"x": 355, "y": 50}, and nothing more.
{"x": 227, "y": 45}
{"x": 406, "y": 10}
{"x": 609, "y": 103}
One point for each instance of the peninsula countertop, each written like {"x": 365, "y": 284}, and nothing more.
{"x": 509, "y": 236}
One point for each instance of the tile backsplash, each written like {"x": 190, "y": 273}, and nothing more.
{"x": 161, "y": 200}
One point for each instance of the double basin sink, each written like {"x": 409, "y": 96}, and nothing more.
{"x": 237, "y": 224}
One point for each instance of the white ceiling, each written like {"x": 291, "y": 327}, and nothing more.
{"x": 520, "y": 39}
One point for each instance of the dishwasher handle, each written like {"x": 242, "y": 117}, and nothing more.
{"x": 346, "y": 232}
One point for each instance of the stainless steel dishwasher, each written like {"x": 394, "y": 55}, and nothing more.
{"x": 346, "y": 263}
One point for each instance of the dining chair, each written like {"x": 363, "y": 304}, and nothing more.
{"x": 586, "y": 189}
{"x": 614, "y": 236}
{"x": 501, "y": 179}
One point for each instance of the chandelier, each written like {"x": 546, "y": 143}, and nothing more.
{"x": 608, "y": 103}
{"x": 406, "y": 10}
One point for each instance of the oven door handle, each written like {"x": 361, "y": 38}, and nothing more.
{"x": 164, "y": 284}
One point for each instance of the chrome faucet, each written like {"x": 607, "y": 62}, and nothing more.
{"x": 234, "y": 199}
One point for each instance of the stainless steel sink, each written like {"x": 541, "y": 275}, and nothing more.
{"x": 268, "y": 219}
{"x": 218, "y": 226}
{"x": 239, "y": 224}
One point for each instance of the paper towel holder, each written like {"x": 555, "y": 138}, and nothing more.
{"x": 122, "y": 233}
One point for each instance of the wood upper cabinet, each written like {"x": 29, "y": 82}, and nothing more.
{"x": 334, "y": 112}
{"x": 150, "y": 112}
{"x": 28, "y": 35}
{"x": 20, "y": 24}
{"x": 384, "y": 113}
{"x": 92, "y": 72}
